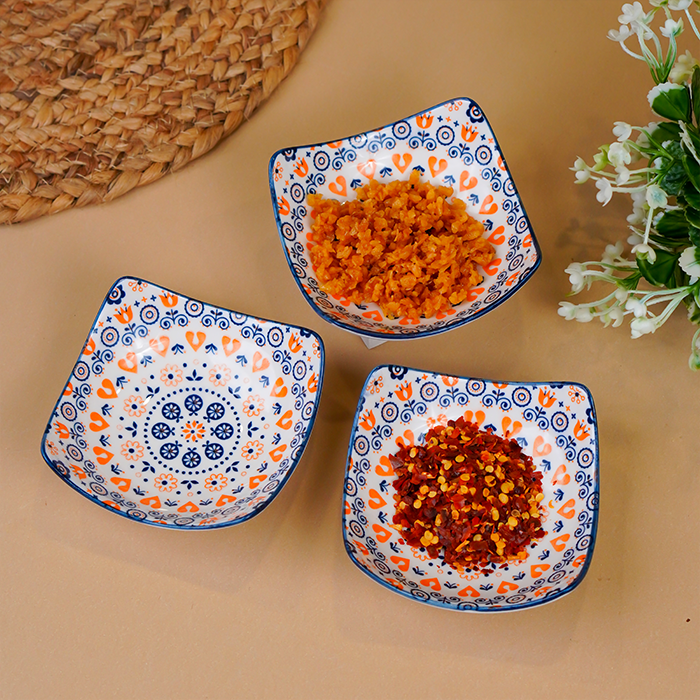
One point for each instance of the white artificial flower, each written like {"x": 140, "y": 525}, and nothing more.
{"x": 643, "y": 140}
{"x": 642, "y": 326}
{"x": 621, "y": 34}
{"x": 622, "y": 130}
{"x": 683, "y": 68}
{"x": 567, "y": 310}
{"x": 584, "y": 315}
{"x": 576, "y": 277}
{"x": 690, "y": 264}
{"x": 631, "y": 12}
{"x": 656, "y": 197}
{"x": 605, "y": 192}
{"x": 672, "y": 27}
{"x": 635, "y": 238}
{"x": 623, "y": 175}
{"x": 637, "y": 307}
{"x": 679, "y": 5}
{"x": 644, "y": 251}
{"x": 582, "y": 176}
{"x": 621, "y": 295}
{"x": 614, "y": 315}
{"x": 618, "y": 154}
{"x": 612, "y": 251}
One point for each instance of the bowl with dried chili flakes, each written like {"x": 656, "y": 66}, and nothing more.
{"x": 405, "y": 231}
{"x": 472, "y": 494}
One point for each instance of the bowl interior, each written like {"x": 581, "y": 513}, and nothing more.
{"x": 554, "y": 423}
{"x": 182, "y": 414}
{"x": 451, "y": 144}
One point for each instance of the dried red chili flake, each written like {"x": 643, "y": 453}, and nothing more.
{"x": 469, "y": 496}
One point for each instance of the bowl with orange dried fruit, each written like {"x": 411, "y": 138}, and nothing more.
{"x": 470, "y": 494}
{"x": 404, "y": 231}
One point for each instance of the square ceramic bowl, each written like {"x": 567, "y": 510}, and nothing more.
{"x": 554, "y": 423}
{"x": 182, "y": 414}
{"x": 451, "y": 144}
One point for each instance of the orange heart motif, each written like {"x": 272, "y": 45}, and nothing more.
{"x": 255, "y": 480}
{"x": 196, "y": 341}
{"x": 536, "y": 570}
{"x": 382, "y": 533}
{"x": 259, "y": 362}
{"x": 278, "y": 388}
{"x": 466, "y": 182}
{"x": 560, "y": 476}
{"x": 373, "y": 315}
{"x": 120, "y": 483}
{"x": 515, "y": 428}
{"x": 339, "y": 187}
{"x": 224, "y": 500}
{"x": 497, "y": 237}
{"x": 469, "y": 591}
{"x": 230, "y": 345}
{"x": 506, "y": 586}
{"x": 436, "y": 166}
{"x": 129, "y": 363}
{"x": 160, "y": 345}
{"x": 277, "y": 453}
{"x": 431, "y": 583}
{"x": 559, "y": 542}
{"x": 489, "y": 206}
{"x": 538, "y": 448}
{"x": 568, "y": 510}
{"x": 492, "y": 268}
{"x": 407, "y": 159}
{"x": 401, "y": 562}
{"x": 102, "y": 455}
{"x": 285, "y": 422}
{"x": 189, "y": 507}
{"x": 107, "y": 390}
{"x": 151, "y": 502}
{"x": 375, "y": 499}
{"x": 368, "y": 168}
{"x": 98, "y": 422}
{"x": 385, "y": 469}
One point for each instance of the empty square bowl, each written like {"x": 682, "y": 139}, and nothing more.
{"x": 451, "y": 144}
{"x": 555, "y": 425}
{"x": 182, "y": 414}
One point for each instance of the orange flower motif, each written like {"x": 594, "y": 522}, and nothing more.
{"x": 575, "y": 394}
{"x": 316, "y": 349}
{"x": 253, "y": 405}
{"x": 215, "y": 482}
{"x": 375, "y": 385}
{"x": 219, "y": 375}
{"x": 252, "y": 450}
{"x": 278, "y": 171}
{"x": 165, "y": 482}
{"x": 193, "y": 430}
{"x": 132, "y": 450}
{"x": 134, "y": 406}
{"x": 52, "y": 448}
{"x": 171, "y": 375}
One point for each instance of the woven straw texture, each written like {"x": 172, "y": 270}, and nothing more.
{"x": 100, "y": 96}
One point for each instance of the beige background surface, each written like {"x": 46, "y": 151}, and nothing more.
{"x": 96, "y": 606}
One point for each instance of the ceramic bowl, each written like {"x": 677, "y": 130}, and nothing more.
{"x": 182, "y": 414}
{"x": 554, "y": 423}
{"x": 451, "y": 144}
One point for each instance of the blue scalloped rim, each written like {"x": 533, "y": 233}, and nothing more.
{"x": 168, "y": 526}
{"x": 417, "y": 334}
{"x": 545, "y": 599}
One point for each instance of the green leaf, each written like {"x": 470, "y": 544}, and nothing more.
{"x": 692, "y": 168}
{"x": 666, "y": 131}
{"x": 660, "y": 272}
{"x": 695, "y": 88}
{"x": 693, "y": 216}
{"x": 631, "y": 282}
{"x": 694, "y": 235}
{"x": 673, "y": 224}
{"x": 692, "y": 196}
{"x": 675, "y": 178}
{"x": 671, "y": 101}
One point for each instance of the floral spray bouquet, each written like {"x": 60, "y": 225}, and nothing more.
{"x": 658, "y": 165}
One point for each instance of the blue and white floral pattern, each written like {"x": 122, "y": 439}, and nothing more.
{"x": 555, "y": 424}
{"x": 451, "y": 144}
{"x": 182, "y": 414}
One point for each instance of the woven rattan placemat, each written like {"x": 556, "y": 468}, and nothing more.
{"x": 100, "y": 96}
